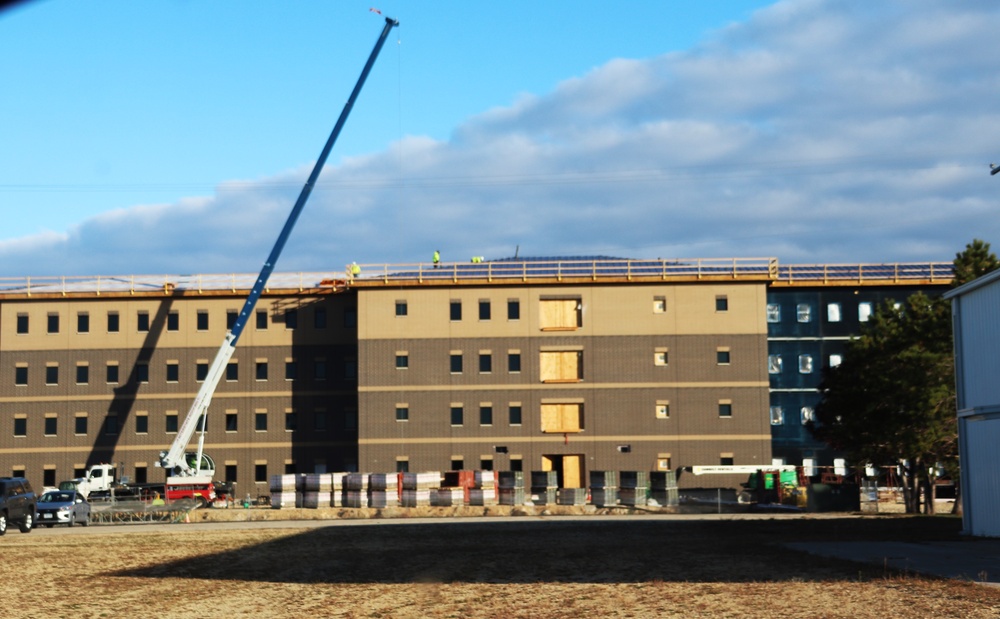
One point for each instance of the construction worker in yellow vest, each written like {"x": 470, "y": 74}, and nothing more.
{"x": 437, "y": 258}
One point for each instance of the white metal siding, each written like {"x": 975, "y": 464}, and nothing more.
{"x": 980, "y": 347}
{"x": 983, "y": 490}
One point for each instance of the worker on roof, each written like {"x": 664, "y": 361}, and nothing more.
{"x": 437, "y": 257}
{"x": 477, "y": 259}
{"x": 355, "y": 269}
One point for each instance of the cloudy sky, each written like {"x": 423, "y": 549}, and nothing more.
{"x": 174, "y": 137}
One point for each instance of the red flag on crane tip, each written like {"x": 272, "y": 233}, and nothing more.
{"x": 376, "y": 11}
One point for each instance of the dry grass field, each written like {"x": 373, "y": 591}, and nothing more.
{"x": 517, "y": 567}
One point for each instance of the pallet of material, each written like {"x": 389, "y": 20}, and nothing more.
{"x": 512, "y": 496}
{"x": 317, "y": 482}
{"x": 662, "y": 480}
{"x": 383, "y": 481}
{"x": 446, "y": 497}
{"x": 421, "y": 481}
{"x": 483, "y": 479}
{"x": 482, "y": 496}
{"x": 459, "y": 479}
{"x": 356, "y": 481}
{"x": 633, "y": 479}
{"x": 543, "y": 496}
{"x": 355, "y": 498}
{"x": 603, "y": 479}
{"x": 604, "y": 497}
{"x": 632, "y": 496}
{"x": 286, "y": 499}
{"x": 314, "y": 500}
{"x": 544, "y": 479}
{"x": 664, "y": 498}
{"x": 287, "y": 483}
{"x": 415, "y": 498}
{"x": 511, "y": 479}
{"x": 383, "y": 498}
{"x": 571, "y": 496}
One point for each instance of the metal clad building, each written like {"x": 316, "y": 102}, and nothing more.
{"x": 976, "y": 319}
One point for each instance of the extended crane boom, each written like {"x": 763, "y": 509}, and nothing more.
{"x": 174, "y": 460}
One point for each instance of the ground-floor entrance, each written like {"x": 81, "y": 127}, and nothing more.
{"x": 569, "y": 467}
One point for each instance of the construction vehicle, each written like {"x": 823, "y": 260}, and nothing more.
{"x": 97, "y": 478}
{"x": 191, "y": 474}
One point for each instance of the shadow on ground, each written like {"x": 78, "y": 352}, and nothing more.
{"x": 554, "y": 551}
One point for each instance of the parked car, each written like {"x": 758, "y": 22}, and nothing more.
{"x": 67, "y": 507}
{"x": 17, "y": 504}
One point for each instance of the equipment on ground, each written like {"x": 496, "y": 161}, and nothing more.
{"x": 189, "y": 470}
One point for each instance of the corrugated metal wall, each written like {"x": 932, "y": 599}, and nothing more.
{"x": 983, "y": 490}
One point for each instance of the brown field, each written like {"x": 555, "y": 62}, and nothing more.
{"x": 514, "y": 567}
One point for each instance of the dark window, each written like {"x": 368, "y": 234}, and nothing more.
{"x": 173, "y": 373}
{"x": 200, "y": 371}
{"x": 260, "y": 373}
{"x": 485, "y": 363}
{"x": 515, "y": 415}
{"x": 231, "y": 316}
{"x": 455, "y": 310}
{"x": 82, "y": 374}
{"x": 52, "y": 375}
{"x": 232, "y": 371}
{"x": 722, "y": 357}
{"x": 140, "y": 475}
{"x": 20, "y": 375}
{"x": 142, "y": 424}
{"x": 260, "y": 473}
{"x": 402, "y": 413}
{"x": 173, "y": 321}
{"x": 260, "y": 422}
{"x": 319, "y": 421}
{"x": 171, "y": 425}
{"x": 722, "y": 303}
{"x": 456, "y": 415}
{"x": 51, "y": 426}
{"x": 726, "y": 461}
{"x": 513, "y": 309}
{"x": 230, "y": 473}
{"x": 350, "y": 317}
{"x": 143, "y": 321}
{"x": 291, "y": 319}
{"x": 514, "y": 362}
{"x": 402, "y": 361}
{"x": 402, "y": 466}
{"x": 291, "y": 421}
{"x": 486, "y": 415}
{"x": 49, "y": 477}
{"x": 112, "y": 374}
{"x": 516, "y": 464}
{"x": 22, "y": 323}
{"x": 486, "y": 465}
{"x": 456, "y": 363}
{"x": 111, "y": 425}
{"x": 401, "y": 308}
{"x": 725, "y": 410}
{"x": 291, "y": 370}
{"x": 484, "y": 310}
{"x": 80, "y": 425}
{"x": 289, "y": 468}
{"x": 20, "y": 426}
{"x": 261, "y": 320}
{"x": 53, "y": 323}
{"x": 350, "y": 369}
{"x": 231, "y": 422}
{"x": 202, "y": 324}
{"x": 457, "y": 464}
{"x": 319, "y": 370}
{"x": 142, "y": 373}
{"x": 83, "y": 322}
{"x": 350, "y": 419}
{"x": 112, "y": 322}
{"x": 319, "y": 318}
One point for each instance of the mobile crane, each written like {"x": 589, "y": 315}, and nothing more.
{"x": 191, "y": 474}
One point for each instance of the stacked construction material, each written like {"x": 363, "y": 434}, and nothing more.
{"x": 417, "y": 488}
{"x": 634, "y": 487}
{"x": 446, "y": 497}
{"x": 286, "y": 490}
{"x": 511, "y": 487}
{"x": 383, "y": 490}
{"x": 355, "y": 490}
{"x": 543, "y": 487}
{"x": 663, "y": 489}
{"x": 572, "y": 496}
{"x": 604, "y": 488}
{"x": 337, "y": 489}
{"x": 316, "y": 490}
{"x": 484, "y": 489}
{"x": 460, "y": 479}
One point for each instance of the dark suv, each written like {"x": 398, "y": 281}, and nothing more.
{"x": 17, "y": 504}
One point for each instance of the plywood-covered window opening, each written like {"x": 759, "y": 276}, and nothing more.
{"x": 564, "y": 366}
{"x": 560, "y": 314}
{"x": 562, "y": 418}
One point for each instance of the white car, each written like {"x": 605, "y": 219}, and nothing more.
{"x": 63, "y": 507}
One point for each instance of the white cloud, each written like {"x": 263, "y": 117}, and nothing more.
{"x": 818, "y": 131}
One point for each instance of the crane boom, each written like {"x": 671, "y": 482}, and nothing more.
{"x": 173, "y": 460}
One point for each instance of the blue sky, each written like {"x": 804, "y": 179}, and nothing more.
{"x": 174, "y": 137}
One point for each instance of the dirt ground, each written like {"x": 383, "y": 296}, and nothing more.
{"x": 514, "y": 567}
